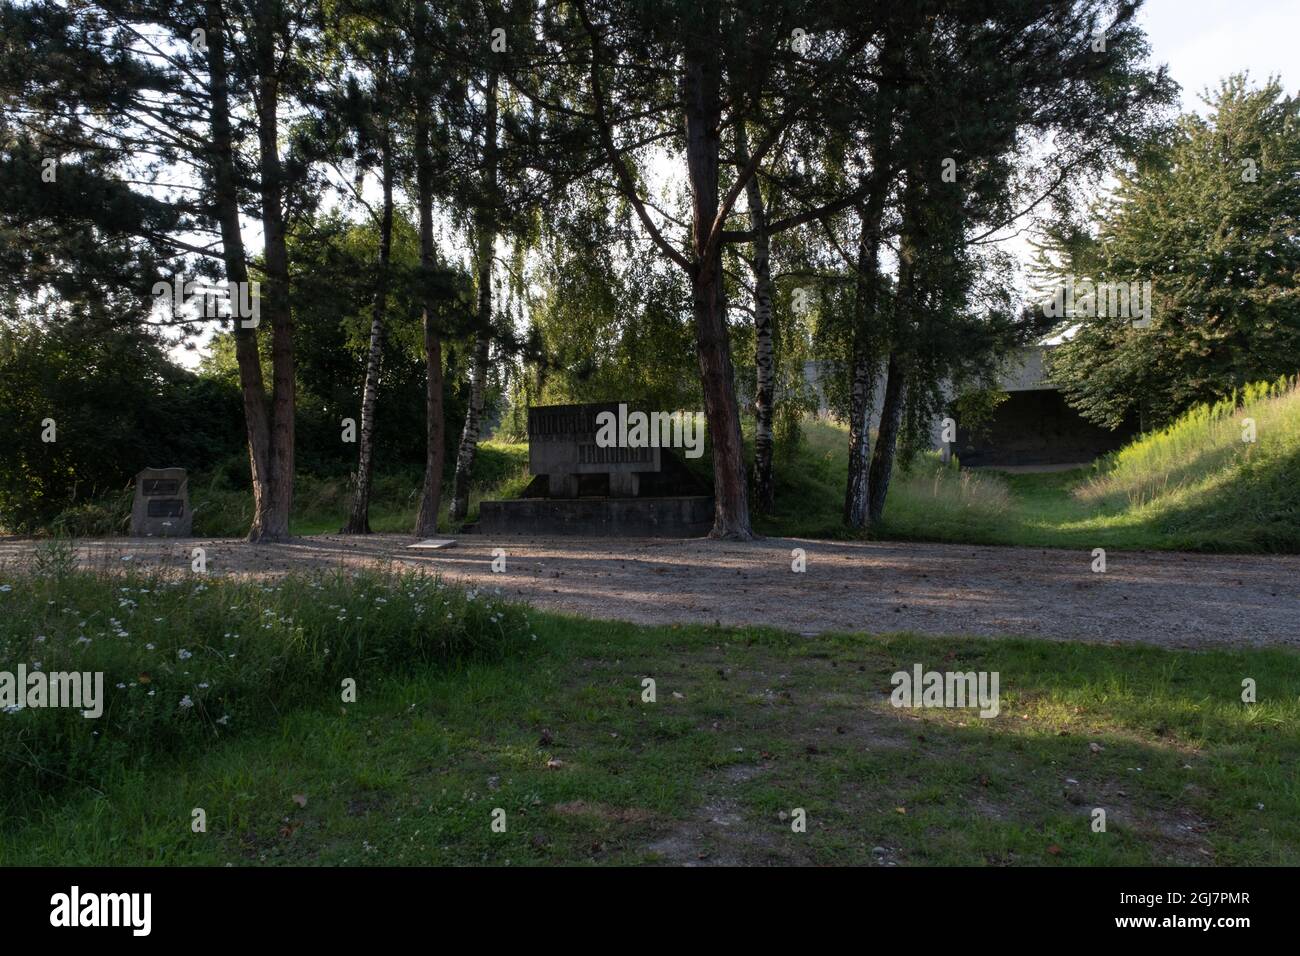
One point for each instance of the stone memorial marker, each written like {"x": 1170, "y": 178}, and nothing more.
{"x": 580, "y": 486}
{"x": 562, "y": 446}
{"x": 162, "y": 504}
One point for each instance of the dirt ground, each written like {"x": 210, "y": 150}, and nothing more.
{"x": 1165, "y": 598}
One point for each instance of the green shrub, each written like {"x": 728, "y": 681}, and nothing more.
{"x": 134, "y": 409}
{"x": 55, "y": 558}
{"x": 107, "y": 516}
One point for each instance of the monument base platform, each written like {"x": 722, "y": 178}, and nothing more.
{"x": 674, "y": 517}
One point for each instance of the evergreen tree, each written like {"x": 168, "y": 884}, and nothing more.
{"x": 1210, "y": 217}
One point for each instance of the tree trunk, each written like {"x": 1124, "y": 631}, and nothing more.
{"x": 905, "y": 312}
{"x": 868, "y": 331}
{"x": 486, "y": 251}
{"x": 227, "y": 202}
{"x": 882, "y": 458}
{"x": 703, "y": 108}
{"x": 764, "y": 316}
{"x": 866, "y": 351}
{"x": 470, "y": 433}
{"x": 359, "y": 520}
{"x": 271, "y": 523}
{"x": 863, "y": 373}
{"x": 426, "y": 520}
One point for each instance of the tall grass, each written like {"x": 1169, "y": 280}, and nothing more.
{"x": 1201, "y": 482}
{"x": 930, "y": 499}
{"x": 933, "y": 499}
{"x": 187, "y": 659}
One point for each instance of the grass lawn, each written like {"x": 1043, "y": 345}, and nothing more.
{"x": 553, "y": 730}
{"x": 1038, "y": 510}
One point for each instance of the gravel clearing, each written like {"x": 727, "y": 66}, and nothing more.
{"x": 1165, "y": 598}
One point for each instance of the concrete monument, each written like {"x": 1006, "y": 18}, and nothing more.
{"x": 582, "y": 485}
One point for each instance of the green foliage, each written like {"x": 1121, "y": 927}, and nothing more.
{"x": 1212, "y": 219}
{"x": 334, "y": 275}
{"x": 334, "y": 272}
{"x": 188, "y": 660}
{"x": 118, "y": 406}
{"x": 975, "y": 408}
{"x": 614, "y": 330}
{"x": 223, "y": 505}
{"x": 787, "y": 430}
{"x": 54, "y": 558}
{"x": 108, "y": 516}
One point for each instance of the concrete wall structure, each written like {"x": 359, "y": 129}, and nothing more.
{"x": 1033, "y": 427}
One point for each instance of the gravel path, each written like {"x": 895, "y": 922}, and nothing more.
{"x": 1165, "y": 598}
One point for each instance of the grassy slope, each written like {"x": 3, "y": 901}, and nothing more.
{"x": 747, "y": 724}
{"x": 1202, "y": 486}
{"x": 1193, "y": 486}
{"x": 929, "y": 503}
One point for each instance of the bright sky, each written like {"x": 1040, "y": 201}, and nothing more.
{"x": 1204, "y": 40}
